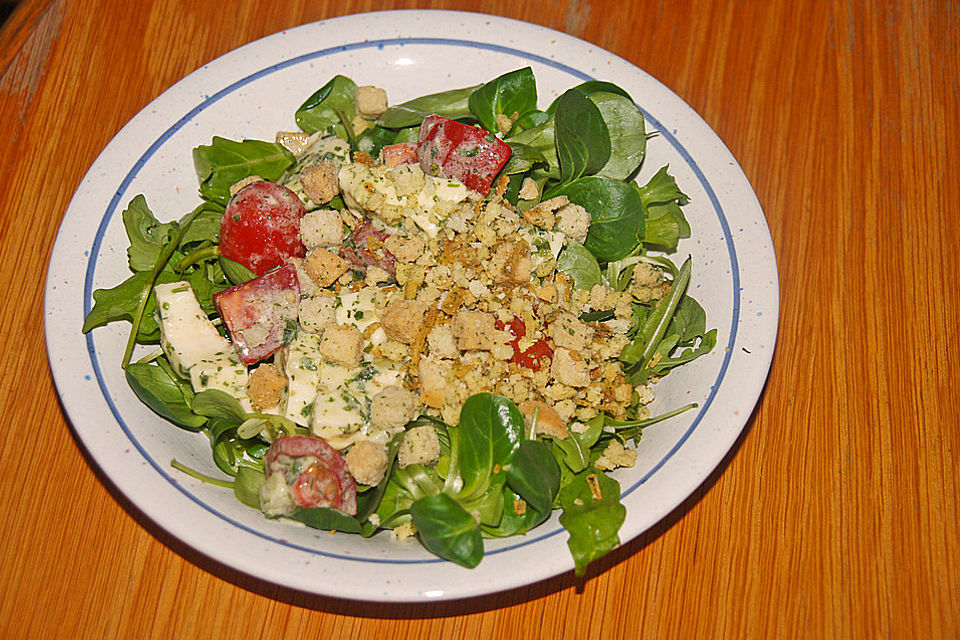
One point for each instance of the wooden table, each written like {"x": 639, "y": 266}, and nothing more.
{"x": 837, "y": 513}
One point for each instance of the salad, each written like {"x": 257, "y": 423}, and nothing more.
{"x": 441, "y": 318}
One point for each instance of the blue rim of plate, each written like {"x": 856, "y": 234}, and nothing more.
{"x": 381, "y": 44}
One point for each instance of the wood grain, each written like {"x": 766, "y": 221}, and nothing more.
{"x": 836, "y": 515}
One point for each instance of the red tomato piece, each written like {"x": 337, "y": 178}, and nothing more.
{"x": 532, "y": 357}
{"x": 258, "y": 313}
{"x": 452, "y": 149}
{"x": 356, "y": 249}
{"x": 400, "y": 153}
{"x": 324, "y": 481}
{"x": 260, "y": 228}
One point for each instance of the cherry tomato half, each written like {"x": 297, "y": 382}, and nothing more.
{"x": 260, "y": 228}
{"x": 325, "y": 482}
{"x": 531, "y": 358}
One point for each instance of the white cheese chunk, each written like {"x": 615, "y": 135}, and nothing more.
{"x": 186, "y": 334}
{"x": 301, "y": 364}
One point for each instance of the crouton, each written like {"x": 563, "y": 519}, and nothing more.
{"x": 529, "y": 190}
{"x": 615, "y": 455}
{"x": 442, "y": 342}
{"x": 510, "y": 263}
{"x": 342, "y": 344}
{"x": 544, "y": 419}
{"x": 317, "y": 312}
{"x": 320, "y": 181}
{"x": 476, "y": 330}
{"x": 266, "y": 386}
{"x": 295, "y": 141}
{"x": 392, "y": 408}
{"x": 574, "y": 221}
{"x": 324, "y": 267}
{"x": 406, "y": 248}
{"x": 420, "y": 445}
{"x": 433, "y": 373}
{"x": 367, "y": 461}
{"x": 240, "y": 184}
{"x": 370, "y": 102}
{"x": 402, "y": 319}
{"x": 567, "y": 331}
{"x": 568, "y": 370}
{"x": 408, "y": 179}
{"x": 321, "y": 228}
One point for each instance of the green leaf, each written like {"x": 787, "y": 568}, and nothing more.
{"x": 577, "y": 262}
{"x": 590, "y": 87}
{"x": 512, "y": 93}
{"x": 160, "y": 391}
{"x": 583, "y": 142}
{"x": 374, "y": 139}
{"x": 447, "y": 530}
{"x": 491, "y": 427}
{"x": 247, "y": 485}
{"x": 532, "y": 118}
{"x": 330, "y": 109}
{"x": 223, "y": 163}
{"x": 518, "y": 517}
{"x": 628, "y": 137}
{"x": 592, "y": 515}
{"x": 522, "y": 158}
{"x": 215, "y": 403}
{"x": 542, "y": 138}
{"x": 205, "y": 228}
{"x": 146, "y": 234}
{"x": 616, "y": 211}
{"x": 453, "y": 104}
{"x": 665, "y": 225}
{"x": 662, "y": 187}
{"x": 236, "y": 273}
{"x": 122, "y": 301}
{"x": 689, "y": 321}
{"x": 327, "y": 519}
{"x": 640, "y": 351}
{"x": 534, "y": 474}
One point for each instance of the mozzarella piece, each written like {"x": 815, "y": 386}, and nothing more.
{"x": 302, "y": 365}
{"x": 361, "y": 309}
{"x": 186, "y": 334}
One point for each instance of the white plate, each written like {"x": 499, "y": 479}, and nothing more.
{"x": 253, "y": 92}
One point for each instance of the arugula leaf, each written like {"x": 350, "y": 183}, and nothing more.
{"x": 205, "y": 228}
{"x": 448, "y": 530}
{"x": 513, "y": 92}
{"x": 330, "y": 109}
{"x": 453, "y": 104}
{"x": 147, "y": 235}
{"x": 224, "y": 162}
{"x": 236, "y": 273}
{"x": 583, "y": 142}
{"x": 592, "y": 515}
{"x": 122, "y": 302}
